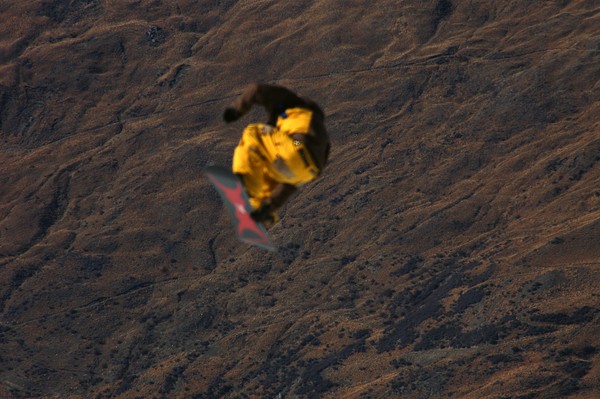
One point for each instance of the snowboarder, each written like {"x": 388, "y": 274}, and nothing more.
{"x": 276, "y": 157}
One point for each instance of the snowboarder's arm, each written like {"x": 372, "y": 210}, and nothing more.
{"x": 269, "y": 96}
{"x": 242, "y": 104}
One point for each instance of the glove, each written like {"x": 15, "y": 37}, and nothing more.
{"x": 231, "y": 115}
{"x": 263, "y": 214}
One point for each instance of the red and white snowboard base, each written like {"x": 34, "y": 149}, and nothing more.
{"x": 234, "y": 196}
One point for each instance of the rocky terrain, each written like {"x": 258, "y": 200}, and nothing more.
{"x": 450, "y": 250}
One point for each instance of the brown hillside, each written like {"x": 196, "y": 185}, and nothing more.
{"x": 450, "y": 250}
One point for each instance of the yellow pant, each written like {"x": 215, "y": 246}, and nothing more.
{"x": 267, "y": 156}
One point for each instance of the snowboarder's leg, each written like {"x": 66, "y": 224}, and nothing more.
{"x": 250, "y": 163}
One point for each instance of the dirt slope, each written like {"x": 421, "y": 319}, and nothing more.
{"x": 451, "y": 248}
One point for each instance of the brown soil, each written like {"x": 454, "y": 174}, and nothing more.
{"x": 451, "y": 248}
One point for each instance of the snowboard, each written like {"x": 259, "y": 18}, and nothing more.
{"x": 230, "y": 188}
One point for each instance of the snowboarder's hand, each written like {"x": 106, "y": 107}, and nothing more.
{"x": 263, "y": 214}
{"x": 231, "y": 114}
